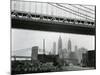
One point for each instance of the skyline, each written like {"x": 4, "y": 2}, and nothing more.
{"x": 26, "y": 38}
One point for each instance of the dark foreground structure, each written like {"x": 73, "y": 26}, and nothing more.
{"x": 89, "y": 59}
{"x": 45, "y": 63}
{"x": 51, "y": 63}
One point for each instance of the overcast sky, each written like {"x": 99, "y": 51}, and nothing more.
{"x": 22, "y": 39}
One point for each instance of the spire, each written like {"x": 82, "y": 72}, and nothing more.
{"x": 59, "y": 43}
{"x": 60, "y": 47}
{"x": 69, "y": 45}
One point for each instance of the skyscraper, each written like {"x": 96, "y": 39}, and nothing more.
{"x": 76, "y": 48}
{"x": 76, "y": 52}
{"x": 69, "y": 46}
{"x": 54, "y": 48}
{"x": 60, "y": 47}
{"x": 43, "y": 46}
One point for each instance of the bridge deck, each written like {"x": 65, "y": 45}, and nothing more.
{"x": 23, "y": 23}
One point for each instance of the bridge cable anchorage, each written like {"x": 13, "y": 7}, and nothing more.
{"x": 71, "y": 12}
{"x": 81, "y": 9}
{"x": 87, "y": 8}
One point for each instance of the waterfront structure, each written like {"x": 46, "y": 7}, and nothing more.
{"x": 34, "y": 54}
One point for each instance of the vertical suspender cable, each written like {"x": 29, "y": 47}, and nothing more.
{"x": 14, "y": 5}
{"x": 47, "y": 10}
{"x": 52, "y": 12}
{"x": 41, "y": 9}
{"x": 29, "y": 7}
{"x": 35, "y": 9}
{"x": 76, "y": 11}
{"x": 30, "y": 10}
{"x": 68, "y": 11}
{"x": 41, "y": 14}
{"x": 19, "y": 9}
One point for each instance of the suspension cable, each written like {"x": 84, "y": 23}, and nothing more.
{"x": 75, "y": 11}
{"x": 70, "y": 12}
{"x": 87, "y": 8}
{"x": 81, "y": 9}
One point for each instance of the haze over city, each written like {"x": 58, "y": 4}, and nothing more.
{"x": 22, "y": 39}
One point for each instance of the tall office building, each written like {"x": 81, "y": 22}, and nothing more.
{"x": 43, "y": 46}
{"x": 69, "y": 46}
{"x": 60, "y": 47}
{"x": 76, "y": 52}
{"x": 80, "y": 52}
{"x": 54, "y": 48}
{"x": 76, "y": 48}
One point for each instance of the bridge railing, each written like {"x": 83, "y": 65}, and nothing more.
{"x": 55, "y": 12}
{"x": 33, "y": 16}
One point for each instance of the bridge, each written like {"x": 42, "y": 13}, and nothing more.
{"x": 20, "y": 53}
{"x": 56, "y": 17}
